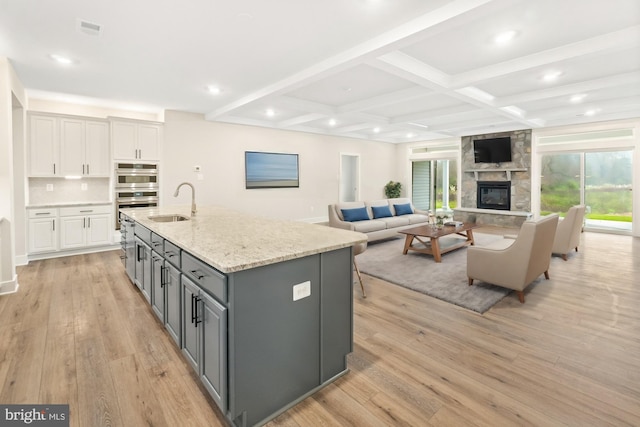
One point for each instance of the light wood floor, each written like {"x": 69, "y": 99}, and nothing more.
{"x": 79, "y": 332}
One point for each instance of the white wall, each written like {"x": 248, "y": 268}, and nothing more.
{"x": 190, "y": 140}
{"x": 10, "y": 89}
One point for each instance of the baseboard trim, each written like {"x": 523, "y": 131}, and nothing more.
{"x": 10, "y": 286}
{"x": 59, "y": 254}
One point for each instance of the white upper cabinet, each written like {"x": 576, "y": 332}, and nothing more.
{"x": 44, "y": 146}
{"x": 65, "y": 146}
{"x": 97, "y": 153}
{"x": 72, "y": 147}
{"x": 136, "y": 140}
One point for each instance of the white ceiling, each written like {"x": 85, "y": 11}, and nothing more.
{"x": 385, "y": 70}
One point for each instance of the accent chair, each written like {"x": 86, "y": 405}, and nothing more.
{"x": 568, "y": 231}
{"x": 515, "y": 263}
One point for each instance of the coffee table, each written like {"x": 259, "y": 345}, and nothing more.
{"x": 434, "y": 246}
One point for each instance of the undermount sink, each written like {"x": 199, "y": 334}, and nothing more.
{"x": 169, "y": 218}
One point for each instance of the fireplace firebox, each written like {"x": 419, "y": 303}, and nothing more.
{"x": 494, "y": 195}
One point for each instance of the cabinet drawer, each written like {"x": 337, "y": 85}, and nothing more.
{"x": 42, "y": 213}
{"x": 172, "y": 253}
{"x": 210, "y": 280}
{"x": 85, "y": 210}
{"x": 157, "y": 243}
{"x": 143, "y": 233}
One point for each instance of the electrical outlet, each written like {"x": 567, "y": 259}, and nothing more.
{"x": 197, "y": 168}
{"x": 49, "y": 187}
{"x": 83, "y": 186}
{"x": 301, "y": 290}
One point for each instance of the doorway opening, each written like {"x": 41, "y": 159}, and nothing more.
{"x": 349, "y": 177}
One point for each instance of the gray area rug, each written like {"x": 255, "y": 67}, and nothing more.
{"x": 446, "y": 280}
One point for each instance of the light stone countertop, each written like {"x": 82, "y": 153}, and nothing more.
{"x": 232, "y": 241}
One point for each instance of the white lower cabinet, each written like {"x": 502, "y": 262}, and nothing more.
{"x": 43, "y": 233}
{"x": 85, "y": 226}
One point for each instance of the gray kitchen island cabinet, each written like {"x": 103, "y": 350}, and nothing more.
{"x": 265, "y": 323}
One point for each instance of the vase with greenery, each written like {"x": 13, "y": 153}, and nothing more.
{"x": 392, "y": 189}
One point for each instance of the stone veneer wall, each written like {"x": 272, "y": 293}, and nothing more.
{"x": 520, "y": 159}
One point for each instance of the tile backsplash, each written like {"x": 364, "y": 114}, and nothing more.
{"x": 69, "y": 190}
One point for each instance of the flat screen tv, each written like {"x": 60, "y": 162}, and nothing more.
{"x": 492, "y": 150}
{"x": 270, "y": 170}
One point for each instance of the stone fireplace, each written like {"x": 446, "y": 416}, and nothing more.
{"x": 494, "y": 195}
{"x": 507, "y": 200}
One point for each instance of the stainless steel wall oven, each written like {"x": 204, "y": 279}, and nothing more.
{"x": 136, "y": 186}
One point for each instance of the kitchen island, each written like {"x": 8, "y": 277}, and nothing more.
{"x": 262, "y": 309}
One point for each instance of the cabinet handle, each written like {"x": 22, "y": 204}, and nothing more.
{"x": 169, "y": 254}
{"x": 195, "y": 273}
{"x": 198, "y": 299}
{"x": 87, "y": 169}
{"x": 54, "y": 168}
{"x": 83, "y": 170}
{"x": 193, "y": 300}
{"x": 163, "y": 279}
{"x": 156, "y": 243}
{"x": 89, "y": 222}
{"x": 84, "y": 222}
{"x": 54, "y": 224}
{"x": 138, "y": 253}
{"x": 43, "y": 213}
{"x": 86, "y": 210}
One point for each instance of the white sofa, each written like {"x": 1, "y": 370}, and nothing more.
{"x": 374, "y": 226}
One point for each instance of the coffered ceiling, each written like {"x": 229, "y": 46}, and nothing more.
{"x": 385, "y": 70}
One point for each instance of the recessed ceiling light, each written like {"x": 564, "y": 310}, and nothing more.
{"x": 592, "y": 112}
{"x": 332, "y": 122}
{"x": 376, "y": 130}
{"x": 505, "y": 37}
{"x": 63, "y": 60}
{"x": 270, "y": 112}
{"x": 551, "y": 76}
{"x": 578, "y": 98}
{"x": 214, "y": 90}
{"x": 410, "y": 135}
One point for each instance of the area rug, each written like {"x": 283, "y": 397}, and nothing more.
{"x": 446, "y": 280}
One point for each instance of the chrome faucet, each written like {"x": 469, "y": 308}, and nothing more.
{"x": 193, "y": 196}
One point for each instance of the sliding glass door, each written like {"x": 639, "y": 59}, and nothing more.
{"x": 600, "y": 180}
{"x": 607, "y": 189}
{"x": 434, "y": 184}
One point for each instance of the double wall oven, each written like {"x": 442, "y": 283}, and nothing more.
{"x": 136, "y": 186}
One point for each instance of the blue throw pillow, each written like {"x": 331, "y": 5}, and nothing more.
{"x": 357, "y": 214}
{"x": 381, "y": 211}
{"x": 403, "y": 209}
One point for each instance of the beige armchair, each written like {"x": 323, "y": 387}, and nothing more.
{"x": 568, "y": 232}
{"x": 515, "y": 263}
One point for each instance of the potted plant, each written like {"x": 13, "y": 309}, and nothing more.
{"x": 392, "y": 189}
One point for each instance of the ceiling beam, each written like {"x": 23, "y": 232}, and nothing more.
{"x": 375, "y": 47}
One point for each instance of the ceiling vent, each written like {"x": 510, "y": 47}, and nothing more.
{"x": 90, "y": 28}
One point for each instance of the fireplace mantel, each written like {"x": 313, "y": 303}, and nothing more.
{"x": 507, "y": 171}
